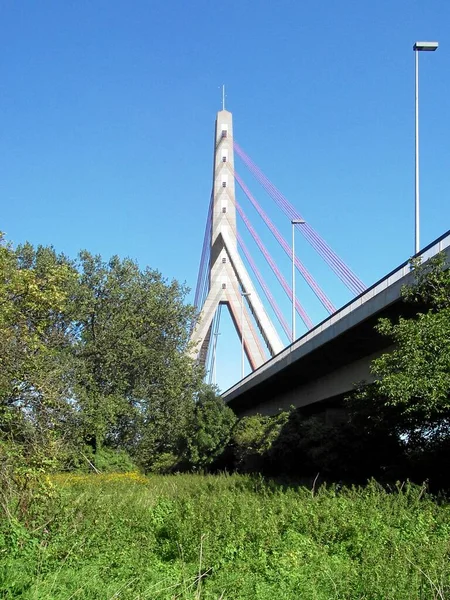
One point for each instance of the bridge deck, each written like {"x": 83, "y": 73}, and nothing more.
{"x": 291, "y": 367}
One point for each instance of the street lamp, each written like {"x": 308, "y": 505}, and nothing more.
{"x": 242, "y": 332}
{"x": 294, "y": 222}
{"x": 419, "y": 47}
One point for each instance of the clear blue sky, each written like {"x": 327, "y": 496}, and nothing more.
{"x": 107, "y": 111}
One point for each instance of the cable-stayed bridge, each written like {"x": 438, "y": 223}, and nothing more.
{"x": 225, "y": 280}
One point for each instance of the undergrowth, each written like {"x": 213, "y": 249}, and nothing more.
{"x": 223, "y": 537}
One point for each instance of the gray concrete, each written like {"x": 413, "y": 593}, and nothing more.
{"x": 329, "y": 360}
{"x": 227, "y": 273}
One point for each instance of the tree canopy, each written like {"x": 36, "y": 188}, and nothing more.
{"x": 94, "y": 354}
{"x": 415, "y": 375}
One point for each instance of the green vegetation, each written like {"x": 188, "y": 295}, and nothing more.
{"x": 97, "y": 388}
{"x": 415, "y": 376}
{"x": 396, "y": 428}
{"x": 230, "y": 537}
{"x": 410, "y": 398}
{"x": 94, "y": 365}
{"x": 96, "y": 375}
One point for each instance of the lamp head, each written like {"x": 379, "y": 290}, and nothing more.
{"x": 425, "y": 46}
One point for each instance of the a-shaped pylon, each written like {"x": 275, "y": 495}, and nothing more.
{"x": 229, "y": 281}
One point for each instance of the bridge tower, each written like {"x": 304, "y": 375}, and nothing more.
{"x": 229, "y": 281}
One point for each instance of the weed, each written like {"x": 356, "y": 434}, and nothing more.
{"x": 203, "y": 537}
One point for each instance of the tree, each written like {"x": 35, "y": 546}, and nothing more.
{"x": 415, "y": 376}
{"x": 32, "y": 302}
{"x": 34, "y": 345}
{"x": 209, "y": 428}
{"x": 411, "y": 391}
{"x": 96, "y": 354}
{"x": 137, "y": 381}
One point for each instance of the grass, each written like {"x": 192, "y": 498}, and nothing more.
{"x": 126, "y": 536}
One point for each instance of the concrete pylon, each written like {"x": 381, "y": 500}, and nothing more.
{"x": 228, "y": 276}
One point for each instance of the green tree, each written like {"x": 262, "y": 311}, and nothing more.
{"x": 209, "y": 428}
{"x": 415, "y": 375}
{"x": 410, "y": 396}
{"x": 35, "y": 340}
{"x": 251, "y": 442}
{"x": 32, "y": 301}
{"x": 137, "y": 382}
{"x": 94, "y": 356}
{"x": 399, "y": 425}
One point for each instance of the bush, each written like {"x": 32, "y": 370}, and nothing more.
{"x": 108, "y": 460}
{"x": 209, "y": 429}
{"x": 250, "y": 443}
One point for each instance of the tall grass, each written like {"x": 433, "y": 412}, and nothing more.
{"x": 230, "y": 537}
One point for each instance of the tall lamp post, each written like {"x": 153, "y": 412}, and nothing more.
{"x": 294, "y": 222}
{"x": 242, "y": 332}
{"x": 419, "y": 47}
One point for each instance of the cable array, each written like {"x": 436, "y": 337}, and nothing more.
{"x": 265, "y": 288}
{"x": 212, "y": 346}
{"x": 301, "y": 268}
{"x": 202, "y": 287}
{"x": 344, "y": 273}
{"x": 301, "y": 311}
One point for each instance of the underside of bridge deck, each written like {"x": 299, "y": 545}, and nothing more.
{"x": 331, "y": 370}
